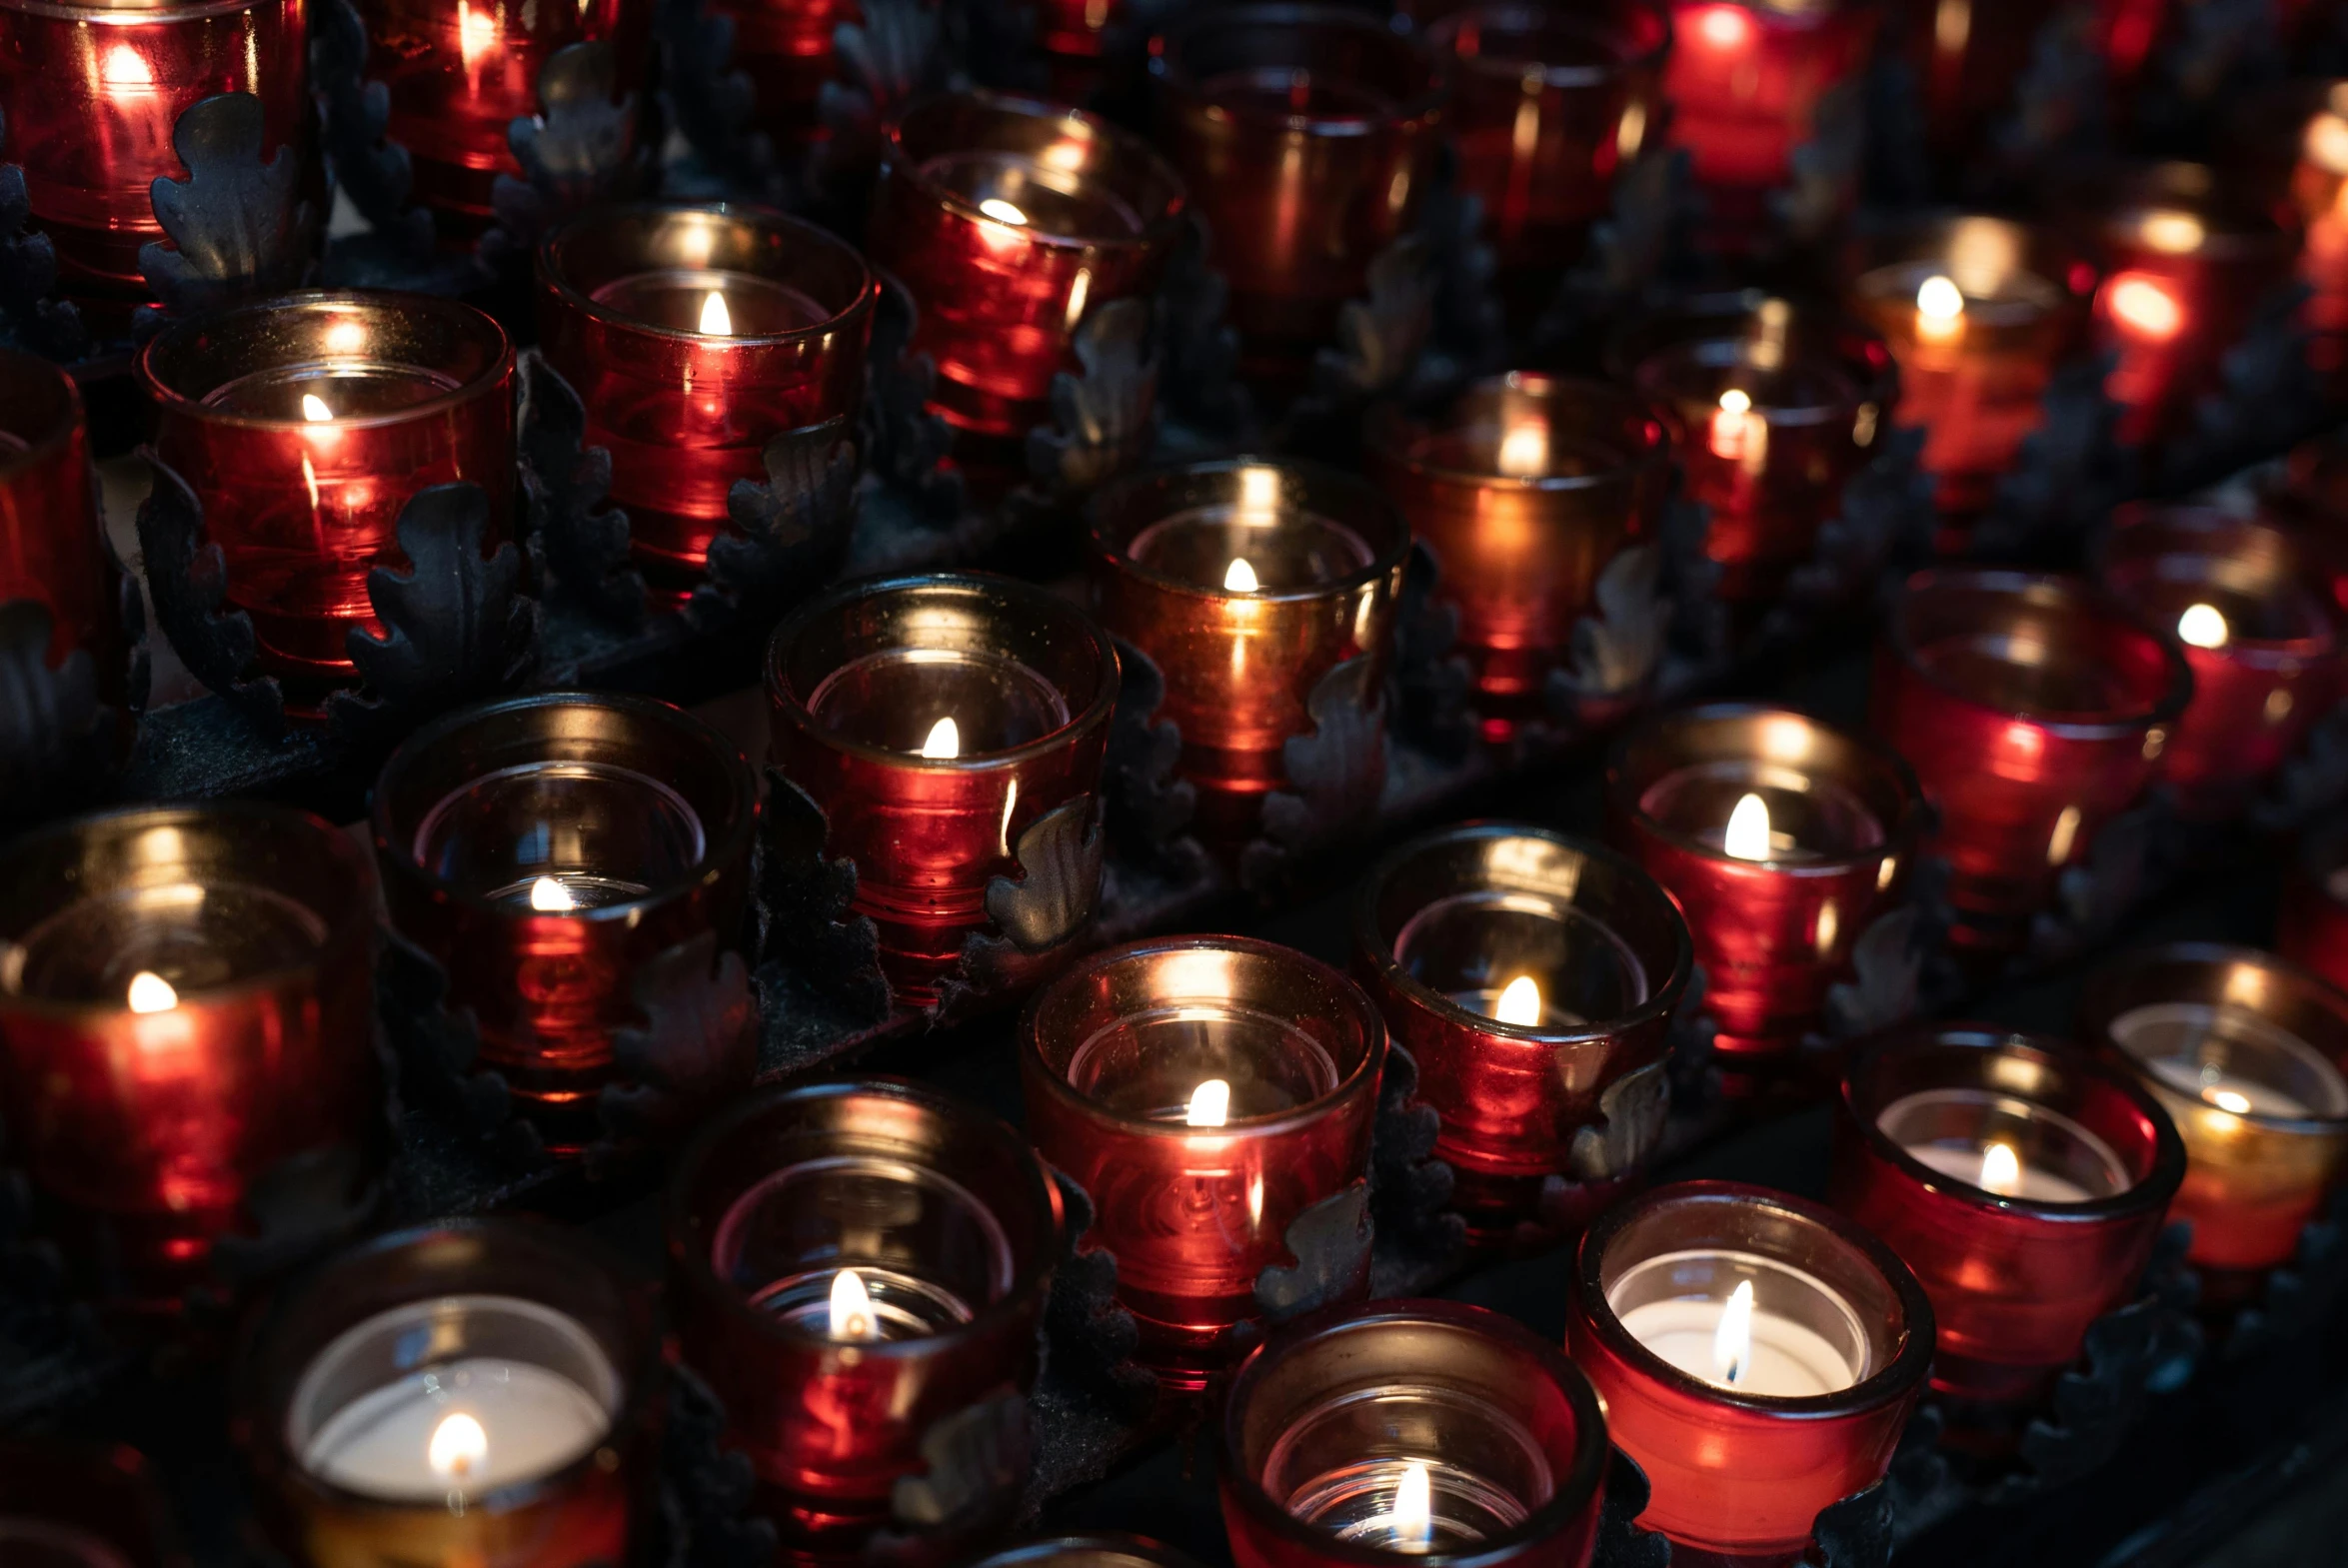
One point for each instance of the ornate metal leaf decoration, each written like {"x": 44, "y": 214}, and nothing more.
{"x": 1621, "y": 1543}
{"x": 974, "y": 1461}
{"x": 713, "y": 105}
{"x": 1059, "y": 886}
{"x": 706, "y": 1488}
{"x": 235, "y": 226}
{"x": 1887, "y": 968}
{"x": 1101, "y": 420}
{"x": 1082, "y": 1321}
{"x": 1435, "y": 684}
{"x": 1631, "y": 1112}
{"x": 2070, "y": 471}
{"x": 1615, "y": 649}
{"x": 806, "y": 905}
{"x": 57, "y": 741}
{"x": 1330, "y": 1243}
{"x": 1886, "y": 516}
{"x": 299, "y": 1208}
{"x": 698, "y": 1042}
{"x": 885, "y": 61}
{"x": 436, "y": 1045}
{"x": 2133, "y": 855}
{"x": 580, "y": 149}
{"x": 2303, "y": 1295}
{"x": 1147, "y": 805}
{"x": 1410, "y": 1185}
{"x": 372, "y": 170}
{"x": 792, "y": 532}
{"x": 575, "y": 542}
{"x": 1200, "y": 379}
{"x": 2061, "y": 102}
{"x": 905, "y": 443}
{"x": 1380, "y": 335}
{"x": 187, "y": 577}
{"x": 2268, "y": 396}
{"x": 28, "y": 271}
{"x": 1337, "y": 771}
{"x": 1825, "y": 166}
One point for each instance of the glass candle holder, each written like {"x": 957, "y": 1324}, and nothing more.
{"x": 2311, "y": 929}
{"x": 1206, "y": 1091}
{"x": 461, "y": 72}
{"x": 1532, "y": 977}
{"x": 1526, "y": 489}
{"x": 2024, "y": 1185}
{"x": 89, "y": 95}
{"x": 187, "y": 1005}
{"x": 1757, "y": 1355}
{"x": 695, "y": 336}
{"x": 1412, "y": 1431}
{"x": 2267, "y": 646}
{"x": 1780, "y": 836}
{"x": 543, "y": 850}
{"x": 2313, "y": 116}
{"x": 2244, "y": 1052}
{"x": 1246, "y": 583}
{"x": 51, "y": 548}
{"x": 2033, "y": 709}
{"x": 477, "y": 1391}
{"x": 935, "y": 719}
{"x": 304, "y": 423}
{"x": 1772, "y": 406}
{"x": 1007, "y": 221}
{"x": 1976, "y": 311}
{"x": 66, "y": 1504}
{"x": 785, "y": 49}
{"x": 1096, "y": 1549}
{"x": 1075, "y": 37}
{"x": 851, "y": 1265}
{"x": 1306, "y": 135}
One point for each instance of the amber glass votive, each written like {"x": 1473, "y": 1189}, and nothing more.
{"x": 1526, "y": 489}
{"x": 935, "y": 719}
{"x": 854, "y": 1267}
{"x": 1098, "y": 1549}
{"x": 2244, "y": 1052}
{"x": 1206, "y": 1091}
{"x": 1533, "y": 976}
{"x": 477, "y": 1391}
{"x": 1307, "y": 136}
{"x": 1007, "y": 221}
{"x": 304, "y": 423}
{"x": 1412, "y": 1431}
{"x": 1757, "y": 1355}
{"x": 1780, "y": 836}
{"x": 186, "y": 1003}
{"x": 51, "y": 548}
{"x": 1248, "y": 582}
{"x": 2024, "y": 1183}
{"x": 89, "y": 95}
{"x": 543, "y": 850}
{"x": 2033, "y": 709}
{"x": 694, "y": 335}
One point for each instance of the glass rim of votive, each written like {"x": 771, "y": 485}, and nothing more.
{"x": 1665, "y": 993}
{"x": 2162, "y": 1171}
{"x": 1120, "y": 1544}
{"x": 1068, "y": 618}
{"x": 351, "y": 920}
{"x": 725, "y": 841}
{"x": 164, "y": 11}
{"x": 1572, "y": 1491}
{"x": 1030, "y": 1275}
{"x": 1155, "y": 228}
{"x": 1899, "y": 1375}
{"x": 1399, "y": 433}
{"x": 2135, "y": 533}
{"x": 1366, "y": 1021}
{"x": 1717, "y": 315}
{"x": 1608, "y": 28}
{"x": 2109, "y": 997}
{"x": 1365, "y": 500}
{"x": 555, "y": 276}
{"x": 1167, "y": 65}
{"x": 1627, "y": 789}
{"x": 483, "y": 331}
{"x": 36, "y": 375}
{"x": 2048, "y": 591}
{"x": 2036, "y": 249}
{"x": 2223, "y": 226}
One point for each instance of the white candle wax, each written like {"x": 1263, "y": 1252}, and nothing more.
{"x": 2004, "y": 1145}
{"x": 2227, "y": 1090}
{"x": 1786, "y": 1361}
{"x": 2232, "y": 1059}
{"x": 2030, "y": 1182}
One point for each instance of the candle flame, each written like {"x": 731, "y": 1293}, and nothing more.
{"x": 2227, "y": 1099}
{"x": 1940, "y": 298}
{"x": 1736, "y": 401}
{"x": 126, "y": 66}
{"x": 315, "y": 408}
{"x": 1524, "y": 451}
{"x": 2172, "y": 232}
{"x": 1732, "y": 1341}
{"x": 715, "y": 320}
{"x": 1520, "y": 1003}
{"x": 2204, "y": 626}
{"x": 2146, "y": 307}
{"x": 2001, "y": 1170}
{"x": 1747, "y": 838}
{"x": 1210, "y": 1104}
{"x": 852, "y": 1307}
{"x": 550, "y": 896}
{"x": 944, "y": 742}
{"x": 476, "y": 32}
{"x": 151, "y": 993}
{"x": 1241, "y": 578}
{"x": 1725, "y": 26}
{"x": 1002, "y": 211}
{"x": 1411, "y": 1524}
{"x": 457, "y": 1445}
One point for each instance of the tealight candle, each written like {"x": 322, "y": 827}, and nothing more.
{"x": 304, "y": 423}
{"x": 781, "y": 1213}
{"x": 51, "y": 548}
{"x": 1532, "y": 977}
{"x": 1733, "y": 1342}
{"x": 1205, "y": 1091}
{"x": 1246, "y": 582}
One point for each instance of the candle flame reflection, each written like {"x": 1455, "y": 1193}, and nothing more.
{"x": 1210, "y": 1104}
{"x": 1725, "y": 26}
{"x": 944, "y": 740}
{"x": 2001, "y": 1170}
{"x": 315, "y": 408}
{"x": 126, "y": 66}
{"x": 1524, "y": 451}
{"x": 1241, "y": 578}
{"x": 1002, "y": 211}
{"x": 1941, "y": 308}
{"x": 2227, "y": 1099}
{"x": 1520, "y": 1003}
{"x": 2146, "y": 307}
{"x": 1411, "y": 1525}
{"x": 852, "y": 1307}
{"x": 1732, "y": 1341}
{"x": 477, "y": 33}
{"x": 2204, "y": 626}
{"x": 715, "y": 320}
{"x": 550, "y": 896}
{"x": 457, "y": 1445}
{"x": 151, "y": 993}
{"x": 1748, "y": 833}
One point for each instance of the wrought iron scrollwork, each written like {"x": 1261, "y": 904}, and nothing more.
{"x": 236, "y": 225}
{"x": 28, "y": 271}
{"x": 577, "y": 545}
{"x": 187, "y": 578}
{"x": 1102, "y": 420}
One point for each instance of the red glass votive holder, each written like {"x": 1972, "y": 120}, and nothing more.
{"x": 1757, "y": 1355}
{"x": 89, "y": 95}
{"x": 1532, "y": 977}
{"x": 1525, "y": 491}
{"x": 2245, "y": 1053}
{"x": 1098, "y": 1549}
{"x": 2311, "y": 929}
{"x": 935, "y": 719}
{"x": 543, "y": 850}
{"x": 1205, "y": 1091}
{"x": 785, "y": 49}
{"x": 1074, "y": 36}
{"x": 478, "y": 1391}
{"x": 695, "y": 336}
{"x": 1773, "y": 406}
{"x": 1412, "y": 1431}
{"x": 304, "y": 423}
{"x": 51, "y": 548}
{"x": 2316, "y": 193}
{"x": 2033, "y": 709}
{"x": 1780, "y": 836}
{"x": 1246, "y": 583}
{"x": 1007, "y": 221}
{"x": 461, "y": 72}
{"x": 187, "y": 1006}
{"x": 2024, "y": 1185}
{"x": 1306, "y": 135}
{"x": 2267, "y": 646}
{"x": 67, "y": 1504}
{"x": 851, "y": 1265}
